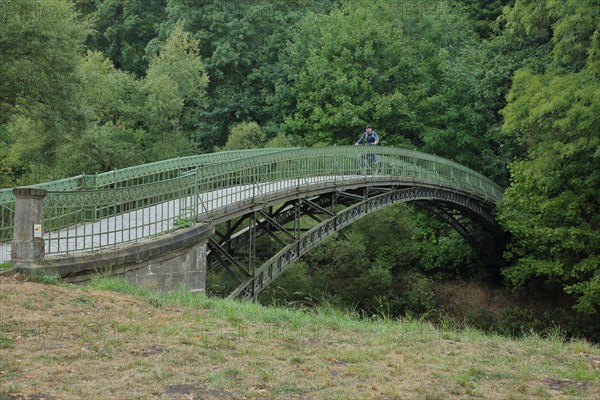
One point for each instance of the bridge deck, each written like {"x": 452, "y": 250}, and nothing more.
{"x": 160, "y": 218}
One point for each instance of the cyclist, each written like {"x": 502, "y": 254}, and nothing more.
{"x": 370, "y": 138}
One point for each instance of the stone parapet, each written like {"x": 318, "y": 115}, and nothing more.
{"x": 168, "y": 262}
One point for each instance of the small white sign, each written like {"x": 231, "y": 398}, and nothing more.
{"x": 37, "y": 230}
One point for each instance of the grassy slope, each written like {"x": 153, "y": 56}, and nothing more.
{"x": 68, "y": 342}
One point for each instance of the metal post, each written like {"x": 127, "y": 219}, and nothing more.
{"x": 27, "y": 246}
{"x": 252, "y": 251}
{"x": 297, "y": 216}
{"x": 229, "y": 234}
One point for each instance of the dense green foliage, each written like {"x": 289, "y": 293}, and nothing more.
{"x": 510, "y": 88}
{"x": 39, "y": 84}
{"x": 122, "y": 29}
{"x": 240, "y": 45}
{"x": 552, "y": 207}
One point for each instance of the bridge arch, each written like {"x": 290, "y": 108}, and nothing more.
{"x": 232, "y": 248}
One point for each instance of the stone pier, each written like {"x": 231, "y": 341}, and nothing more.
{"x": 27, "y": 247}
{"x": 170, "y": 261}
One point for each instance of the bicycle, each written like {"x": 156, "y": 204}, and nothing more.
{"x": 368, "y": 164}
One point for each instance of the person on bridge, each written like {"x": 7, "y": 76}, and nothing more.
{"x": 370, "y": 138}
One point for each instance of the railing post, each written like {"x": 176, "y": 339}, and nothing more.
{"x": 27, "y": 245}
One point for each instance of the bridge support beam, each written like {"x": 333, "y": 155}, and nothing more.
{"x": 27, "y": 247}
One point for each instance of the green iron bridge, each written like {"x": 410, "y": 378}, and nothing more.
{"x": 297, "y": 197}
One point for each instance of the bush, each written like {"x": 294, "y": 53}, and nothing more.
{"x": 415, "y": 295}
{"x": 44, "y": 277}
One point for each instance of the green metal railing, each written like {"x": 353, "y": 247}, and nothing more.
{"x": 91, "y": 212}
{"x": 133, "y": 176}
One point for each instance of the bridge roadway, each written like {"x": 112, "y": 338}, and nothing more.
{"x": 212, "y": 207}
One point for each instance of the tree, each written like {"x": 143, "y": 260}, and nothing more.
{"x": 131, "y": 121}
{"x": 111, "y": 101}
{"x": 240, "y": 45}
{"x": 551, "y": 207}
{"x": 122, "y": 29}
{"x": 377, "y": 63}
{"x": 101, "y": 148}
{"x": 175, "y": 89}
{"x": 280, "y": 141}
{"x": 39, "y": 78}
{"x": 484, "y": 14}
{"x": 245, "y": 135}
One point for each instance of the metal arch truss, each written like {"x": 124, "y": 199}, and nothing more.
{"x": 453, "y": 217}
{"x": 234, "y": 248}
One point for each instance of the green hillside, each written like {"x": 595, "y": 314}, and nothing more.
{"x": 115, "y": 341}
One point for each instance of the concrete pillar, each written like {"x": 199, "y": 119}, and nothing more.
{"x": 27, "y": 246}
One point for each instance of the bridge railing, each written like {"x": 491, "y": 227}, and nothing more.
{"x": 103, "y": 218}
{"x": 297, "y": 169}
{"x": 146, "y": 174}
{"x": 95, "y": 212}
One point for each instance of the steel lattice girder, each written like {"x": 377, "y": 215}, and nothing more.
{"x": 275, "y": 219}
{"x": 441, "y": 201}
{"x": 268, "y": 222}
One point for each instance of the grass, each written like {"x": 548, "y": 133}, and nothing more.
{"x": 134, "y": 342}
{"x": 181, "y": 222}
{"x": 43, "y": 277}
{"x": 6, "y": 265}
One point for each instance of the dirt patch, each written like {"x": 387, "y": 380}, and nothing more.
{"x": 196, "y": 391}
{"x": 335, "y": 373}
{"x": 562, "y": 384}
{"x": 338, "y": 370}
{"x": 337, "y": 363}
{"x": 594, "y": 361}
{"x": 150, "y": 350}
